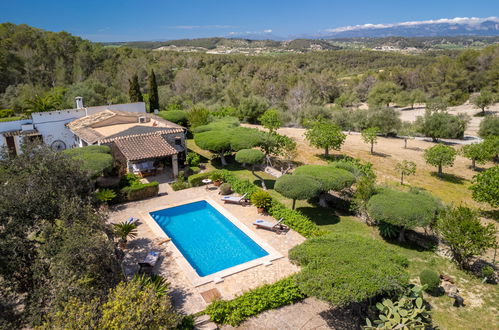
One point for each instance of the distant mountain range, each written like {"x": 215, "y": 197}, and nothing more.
{"x": 459, "y": 26}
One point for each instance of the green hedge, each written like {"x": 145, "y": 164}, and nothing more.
{"x": 196, "y": 180}
{"x": 141, "y": 191}
{"x": 270, "y": 296}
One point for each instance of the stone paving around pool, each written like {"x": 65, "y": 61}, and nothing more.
{"x": 185, "y": 295}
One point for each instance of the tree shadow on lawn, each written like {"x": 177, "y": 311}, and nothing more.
{"x": 449, "y": 177}
{"x": 380, "y": 154}
{"x": 320, "y": 215}
{"x": 333, "y": 157}
{"x": 269, "y": 183}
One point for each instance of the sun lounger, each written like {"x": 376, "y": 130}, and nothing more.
{"x": 149, "y": 262}
{"x": 234, "y": 199}
{"x": 276, "y": 226}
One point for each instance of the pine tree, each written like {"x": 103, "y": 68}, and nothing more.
{"x": 134, "y": 90}
{"x": 153, "y": 93}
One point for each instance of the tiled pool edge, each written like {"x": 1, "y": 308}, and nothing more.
{"x": 189, "y": 271}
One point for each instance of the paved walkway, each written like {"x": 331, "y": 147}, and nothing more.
{"x": 185, "y": 296}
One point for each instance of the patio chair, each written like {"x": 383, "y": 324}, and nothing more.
{"x": 275, "y": 226}
{"x": 234, "y": 199}
{"x": 149, "y": 262}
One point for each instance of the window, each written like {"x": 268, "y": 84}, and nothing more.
{"x": 178, "y": 141}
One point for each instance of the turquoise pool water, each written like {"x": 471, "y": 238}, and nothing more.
{"x": 206, "y": 238}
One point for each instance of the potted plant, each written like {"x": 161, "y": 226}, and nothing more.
{"x": 262, "y": 200}
{"x": 217, "y": 178}
{"x": 125, "y": 230}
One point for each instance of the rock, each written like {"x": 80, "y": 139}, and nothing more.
{"x": 450, "y": 289}
{"x": 447, "y": 278}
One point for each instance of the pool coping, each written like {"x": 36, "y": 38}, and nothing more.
{"x": 217, "y": 277}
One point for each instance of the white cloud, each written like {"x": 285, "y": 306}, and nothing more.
{"x": 200, "y": 27}
{"x": 267, "y": 31}
{"x": 456, "y": 20}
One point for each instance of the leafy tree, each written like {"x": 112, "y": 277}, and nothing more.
{"x": 134, "y": 89}
{"x": 485, "y": 186}
{"x": 442, "y": 125}
{"x": 416, "y": 96}
{"x": 276, "y": 145}
{"x": 96, "y": 160}
{"x": 406, "y": 210}
{"x": 461, "y": 229}
{"x": 489, "y": 127}
{"x": 436, "y": 104}
{"x": 251, "y": 157}
{"x": 440, "y": 155}
{"x": 250, "y": 108}
{"x": 215, "y": 141}
{"x": 386, "y": 119}
{"x": 271, "y": 120}
{"x": 245, "y": 138}
{"x": 491, "y": 144}
{"x": 483, "y": 100}
{"x": 322, "y": 134}
{"x": 343, "y": 269}
{"x": 370, "y": 135}
{"x": 405, "y": 168}
{"x": 198, "y": 116}
{"x": 346, "y": 99}
{"x": 153, "y": 93}
{"x": 383, "y": 93}
{"x": 477, "y": 152}
{"x": 297, "y": 187}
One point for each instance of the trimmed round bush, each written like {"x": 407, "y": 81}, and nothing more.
{"x": 249, "y": 156}
{"x": 330, "y": 177}
{"x": 245, "y": 138}
{"x": 225, "y": 189}
{"x": 297, "y": 187}
{"x": 217, "y": 125}
{"x": 430, "y": 278}
{"x": 404, "y": 209}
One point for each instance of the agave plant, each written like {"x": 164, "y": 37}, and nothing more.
{"x": 156, "y": 282}
{"x": 125, "y": 230}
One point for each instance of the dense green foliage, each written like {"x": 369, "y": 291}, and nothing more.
{"x": 440, "y": 155}
{"x": 33, "y": 61}
{"x": 141, "y": 191}
{"x": 297, "y": 187}
{"x": 344, "y": 269}
{"x": 249, "y": 156}
{"x": 196, "y": 180}
{"x": 218, "y": 124}
{"x": 461, "y": 229}
{"x": 45, "y": 259}
{"x": 383, "y": 93}
{"x": 403, "y": 209}
{"x": 175, "y": 116}
{"x": 430, "y": 279}
{"x": 94, "y": 159}
{"x": 483, "y": 100}
{"x": 261, "y": 198}
{"x": 271, "y": 120}
{"x": 489, "y": 127}
{"x": 478, "y": 153}
{"x": 134, "y": 92}
{"x": 105, "y": 195}
{"x": 153, "y": 92}
{"x": 330, "y": 177}
{"x": 270, "y": 296}
{"x": 441, "y": 125}
{"x": 485, "y": 186}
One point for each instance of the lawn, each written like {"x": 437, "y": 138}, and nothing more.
{"x": 481, "y": 299}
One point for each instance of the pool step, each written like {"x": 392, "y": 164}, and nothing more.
{"x": 203, "y": 323}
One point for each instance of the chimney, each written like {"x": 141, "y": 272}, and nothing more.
{"x": 79, "y": 102}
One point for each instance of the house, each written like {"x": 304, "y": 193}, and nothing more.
{"x": 50, "y": 126}
{"x": 141, "y": 143}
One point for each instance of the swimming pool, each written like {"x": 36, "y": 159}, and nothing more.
{"x": 206, "y": 238}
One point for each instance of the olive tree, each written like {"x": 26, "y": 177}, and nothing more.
{"x": 483, "y": 100}
{"x": 489, "y": 127}
{"x": 440, "y": 155}
{"x": 297, "y": 187}
{"x": 405, "y": 210}
{"x": 251, "y": 157}
{"x": 370, "y": 135}
{"x": 485, "y": 186}
{"x": 461, "y": 229}
{"x": 441, "y": 125}
{"x": 405, "y": 168}
{"x": 383, "y": 93}
{"x": 322, "y": 134}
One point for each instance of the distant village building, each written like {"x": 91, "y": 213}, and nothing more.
{"x": 140, "y": 142}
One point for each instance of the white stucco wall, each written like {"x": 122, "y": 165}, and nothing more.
{"x": 8, "y": 126}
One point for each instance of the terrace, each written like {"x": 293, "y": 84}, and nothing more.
{"x": 188, "y": 293}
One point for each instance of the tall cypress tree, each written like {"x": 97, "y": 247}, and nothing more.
{"x": 153, "y": 93}
{"x": 134, "y": 90}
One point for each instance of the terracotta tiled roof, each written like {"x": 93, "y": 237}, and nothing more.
{"x": 87, "y": 128}
{"x": 144, "y": 147}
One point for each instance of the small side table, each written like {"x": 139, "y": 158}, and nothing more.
{"x": 207, "y": 183}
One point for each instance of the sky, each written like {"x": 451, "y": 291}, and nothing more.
{"x": 144, "y": 20}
